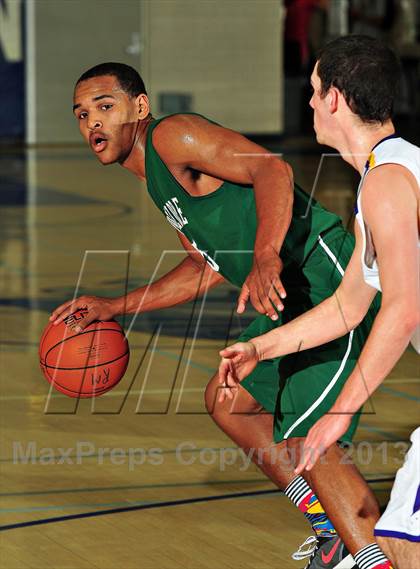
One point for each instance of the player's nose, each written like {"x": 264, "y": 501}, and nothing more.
{"x": 94, "y": 124}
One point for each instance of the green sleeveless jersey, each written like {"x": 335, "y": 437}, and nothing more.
{"x": 222, "y": 225}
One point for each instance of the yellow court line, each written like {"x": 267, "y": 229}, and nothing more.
{"x": 402, "y": 380}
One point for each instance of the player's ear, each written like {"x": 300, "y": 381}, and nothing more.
{"x": 333, "y": 96}
{"x": 143, "y": 106}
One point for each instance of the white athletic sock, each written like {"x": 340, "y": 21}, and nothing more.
{"x": 371, "y": 557}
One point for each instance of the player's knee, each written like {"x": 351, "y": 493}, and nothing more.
{"x": 219, "y": 411}
{"x": 224, "y": 412}
{"x": 210, "y": 394}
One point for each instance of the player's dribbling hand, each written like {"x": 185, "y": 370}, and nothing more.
{"x": 238, "y": 361}
{"x": 98, "y": 308}
{"x": 326, "y": 431}
{"x": 263, "y": 286}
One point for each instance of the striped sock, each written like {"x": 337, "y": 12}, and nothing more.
{"x": 303, "y": 497}
{"x": 371, "y": 557}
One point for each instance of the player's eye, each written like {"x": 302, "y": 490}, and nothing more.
{"x": 82, "y": 116}
{"x": 106, "y": 106}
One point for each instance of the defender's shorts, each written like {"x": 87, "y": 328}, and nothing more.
{"x": 300, "y": 388}
{"x": 401, "y": 518}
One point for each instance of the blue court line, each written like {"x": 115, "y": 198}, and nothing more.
{"x": 398, "y": 393}
{"x": 370, "y": 478}
{"x": 94, "y": 505}
{"x": 151, "y": 505}
{"x": 385, "y": 434}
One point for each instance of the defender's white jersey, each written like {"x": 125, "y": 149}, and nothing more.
{"x": 391, "y": 150}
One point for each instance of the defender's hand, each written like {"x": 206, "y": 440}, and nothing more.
{"x": 238, "y": 361}
{"x": 326, "y": 431}
{"x": 98, "y": 309}
{"x": 263, "y": 286}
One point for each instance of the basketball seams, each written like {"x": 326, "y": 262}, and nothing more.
{"x": 87, "y": 367}
{"x": 78, "y": 335}
{"x": 87, "y": 394}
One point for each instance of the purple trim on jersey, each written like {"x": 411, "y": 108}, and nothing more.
{"x": 395, "y": 135}
{"x": 356, "y": 209}
{"x": 416, "y": 506}
{"x": 397, "y": 534}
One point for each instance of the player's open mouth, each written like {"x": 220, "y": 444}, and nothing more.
{"x": 98, "y": 142}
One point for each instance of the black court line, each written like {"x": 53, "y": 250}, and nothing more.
{"x": 162, "y": 485}
{"x": 154, "y": 505}
{"x": 134, "y": 487}
{"x": 136, "y": 508}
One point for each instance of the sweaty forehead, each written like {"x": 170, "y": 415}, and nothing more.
{"x": 97, "y": 86}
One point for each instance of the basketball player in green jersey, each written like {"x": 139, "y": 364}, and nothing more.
{"x": 237, "y": 216}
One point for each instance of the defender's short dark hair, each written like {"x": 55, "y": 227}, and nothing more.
{"x": 127, "y": 76}
{"x": 365, "y": 71}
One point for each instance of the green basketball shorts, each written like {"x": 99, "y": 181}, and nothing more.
{"x": 300, "y": 388}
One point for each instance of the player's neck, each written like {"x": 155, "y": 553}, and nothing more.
{"x": 359, "y": 140}
{"x": 136, "y": 160}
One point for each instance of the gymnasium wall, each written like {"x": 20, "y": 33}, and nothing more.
{"x": 221, "y": 58}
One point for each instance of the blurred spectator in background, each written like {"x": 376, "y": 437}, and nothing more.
{"x": 304, "y": 34}
{"x": 296, "y": 36}
{"x": 372, "y": 17}
{"x": 405, "y": 41}
{"x": 309, "y": 24}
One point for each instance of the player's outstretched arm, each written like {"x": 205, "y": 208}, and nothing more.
{"x": 191, "y": 278}
{"x": 390, "y": 204}
{"x": 222, "y": 153}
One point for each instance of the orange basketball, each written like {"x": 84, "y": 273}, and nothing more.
{"x": 87, "y": 364}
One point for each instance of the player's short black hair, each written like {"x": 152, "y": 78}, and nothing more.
{"x": 127, "y": 76}
{"x": 367, "y": 73}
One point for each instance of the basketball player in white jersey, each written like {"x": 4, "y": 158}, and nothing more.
{"x": 354, "y": 86}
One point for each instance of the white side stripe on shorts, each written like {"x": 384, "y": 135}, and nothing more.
{"x": 331, "y": 255}
{"x": 323, "y": 395}
{"x": 334, "y": 380}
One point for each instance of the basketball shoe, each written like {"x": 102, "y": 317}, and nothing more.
{"x": 325, "y": 553}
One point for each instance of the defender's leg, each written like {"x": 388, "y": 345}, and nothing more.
{"x": 346, "y": 497}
